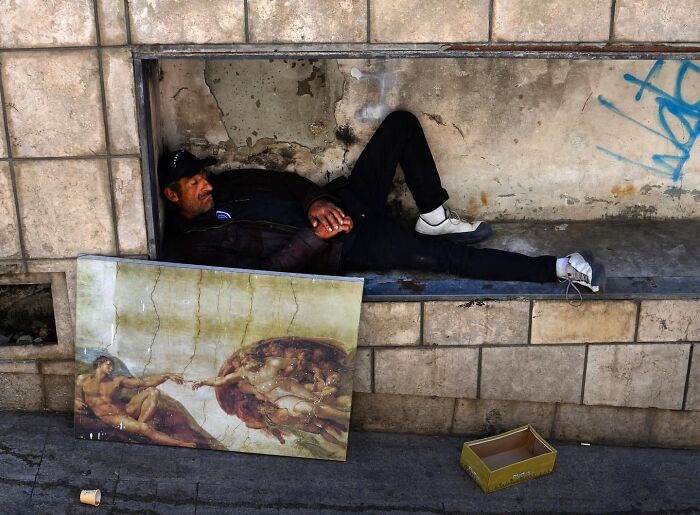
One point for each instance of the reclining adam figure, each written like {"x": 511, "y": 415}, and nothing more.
{"x": 268, "y": 220}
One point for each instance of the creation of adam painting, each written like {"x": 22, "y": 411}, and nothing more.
{"x": 215, "y": 358}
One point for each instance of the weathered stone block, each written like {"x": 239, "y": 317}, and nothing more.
{"x": 389, "y": 323}
{"x": 38, "y": 23}
{"x": 363, "y": 371}
{"x": 676, "y": 429}
{"x": 642, "y": 20}
{"x": 640, "y": 376}
{"x": 435, "y": 371}
{"x": 128, "y": 197}
{"x": 401, "y": 413}
{"x": 487, "y": 417}
{"x": 176, "y": 21}
{"x": 9, "y": 228}
{"x": 590, "y": 322}
{"x": 112, "y": 21}
{"x": 692, "y": 400}
{"x": 21, "y": 392}
{"x": 19, "y": 367}
{"x": 539, "y": 374}
{"x": 669, "y": 321}
{"x": 65, "y": 207}
{"x": 53, "y": 103}
{"x": 602, "y": 424}
{"x": 62, "y": 290}
{"x": 120, "y": 101}
{"x": 58, "y": 368}
{"x": 476, "y": 322}
{"x": 563, "y": 20}
{"x": 304, "y": 21}
{"x": 60, "y": 392}
{"x": 420, "y": 21}
{"x": 11, "y": 267}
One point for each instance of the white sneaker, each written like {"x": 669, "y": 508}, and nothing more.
{"x": 456, "y": 229}
{"x": 582, "y": 269}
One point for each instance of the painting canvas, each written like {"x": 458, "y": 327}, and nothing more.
{"x": 215, "y": 358}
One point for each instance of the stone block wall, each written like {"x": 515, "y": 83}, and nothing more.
{"x": 70, "y": 183}
{"x": 605, "y": 371}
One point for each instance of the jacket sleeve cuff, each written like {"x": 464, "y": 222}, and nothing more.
{"x": 297, "y": 253}
{"x": 307, "y": 235}
{"x": 317, "y": 195}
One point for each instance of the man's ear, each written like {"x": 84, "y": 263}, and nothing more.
{"x": 171, "y": 195}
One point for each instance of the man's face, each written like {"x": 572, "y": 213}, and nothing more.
{"x": 195, "y": 195}
{"x": 106, "y": 367}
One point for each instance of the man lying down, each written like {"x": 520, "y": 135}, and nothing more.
{"x": 267, "y": 220}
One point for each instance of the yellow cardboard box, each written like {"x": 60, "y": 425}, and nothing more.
{"x": 507, "y": 459}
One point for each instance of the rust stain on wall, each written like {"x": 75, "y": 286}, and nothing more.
{"x": 623, "y": 191}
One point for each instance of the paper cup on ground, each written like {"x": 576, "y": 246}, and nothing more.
{"x": 91, "y": 497}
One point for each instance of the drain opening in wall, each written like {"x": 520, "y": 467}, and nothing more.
{"x": 26, "y": 315}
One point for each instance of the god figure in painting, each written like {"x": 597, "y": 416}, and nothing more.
{"x": 289, "y": 386}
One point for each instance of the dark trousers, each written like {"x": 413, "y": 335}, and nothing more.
{"x": 379, "y": 242}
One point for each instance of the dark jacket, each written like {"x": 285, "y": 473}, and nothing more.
{"x": 259, "y": 221}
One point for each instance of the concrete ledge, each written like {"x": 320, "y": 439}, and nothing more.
{"x": 644, "y": 260}
{"x": 402, "y": 286}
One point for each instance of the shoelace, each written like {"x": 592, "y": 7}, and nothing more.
{"x": 572, "y": 276}
{"x": 454, "y": 218}
{"x": 570, "y": 284}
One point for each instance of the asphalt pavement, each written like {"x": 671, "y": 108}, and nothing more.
{"x": 43, "y": 468}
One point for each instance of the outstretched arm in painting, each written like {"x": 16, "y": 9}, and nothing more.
{"x": 150, "y": 381}
{"x": 218, "y": 381}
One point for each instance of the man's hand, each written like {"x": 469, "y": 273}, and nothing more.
{"x": 326, "y": 214}
{"x": 327, "y": 219}
{"x": 175, "y": 378}
{"x": 324, "y": 234}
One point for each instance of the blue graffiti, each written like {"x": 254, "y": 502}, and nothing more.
{"x": 671, "y": 107}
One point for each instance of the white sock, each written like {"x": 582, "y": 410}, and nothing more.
{"x": 435, "y": 217}
{"x": 561, "y": 267}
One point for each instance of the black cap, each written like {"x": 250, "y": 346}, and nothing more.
{"x": 175, "y": 165}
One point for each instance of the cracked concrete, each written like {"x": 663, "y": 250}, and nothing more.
{"x": 157, "y": 317}
{"x": 136, "y": 478}
{"x": 115, "y": 326}
{"x": 198, "y": 325}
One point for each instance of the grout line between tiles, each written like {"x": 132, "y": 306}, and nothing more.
{"x": 13, "y": 179}
{"x": 246, "y": 29}
{"x": 127, "y": 21}
{"x": 687, "y": 376}
{"x": 108, "y": 142}
{"x": 611, "y": 36}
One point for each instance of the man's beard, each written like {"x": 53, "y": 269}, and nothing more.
{"x": 207, "y": 202}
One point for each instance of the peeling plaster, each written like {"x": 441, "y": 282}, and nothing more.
{"x": 520, "y": 133}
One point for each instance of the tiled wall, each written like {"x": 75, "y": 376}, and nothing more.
{"x": 473, "y": 366}
{"x": 70, "y": 183}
